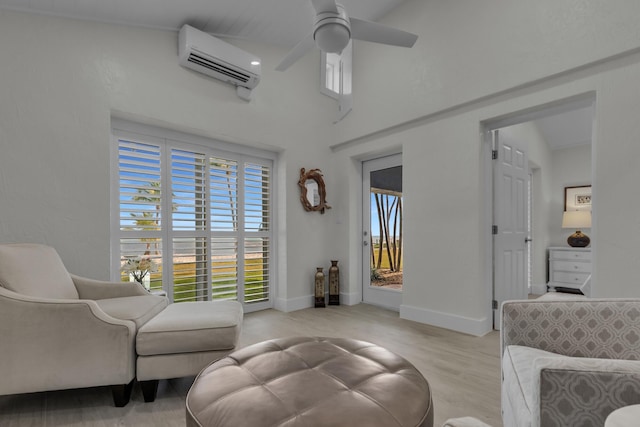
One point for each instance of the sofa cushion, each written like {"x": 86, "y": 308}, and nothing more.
{"x": 191, "y": 327}
{"x": 139, "y": 309}
{"x": 35, "y": 270}
{"x": 517, "y": 367}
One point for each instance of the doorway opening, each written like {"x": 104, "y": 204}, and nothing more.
{"x": 551, "y": 149}
{"x": 383, "y": 257}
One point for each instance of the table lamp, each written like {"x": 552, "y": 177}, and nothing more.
{"x": 577, "y": 220}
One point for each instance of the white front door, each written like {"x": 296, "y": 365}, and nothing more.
{"x": 510, "y": 219}
{"x": 382, "y": 257}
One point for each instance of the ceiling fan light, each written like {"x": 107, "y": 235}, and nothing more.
{"x": 332, "y": 38}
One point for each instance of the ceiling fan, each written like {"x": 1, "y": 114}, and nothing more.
{"x": 333, "y": 29}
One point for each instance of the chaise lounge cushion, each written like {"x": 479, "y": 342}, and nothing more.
{"x": 191, "y": 327}
{"x": 25, "y": 267}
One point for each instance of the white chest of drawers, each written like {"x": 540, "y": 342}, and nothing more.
{"x": 569, "y": 267}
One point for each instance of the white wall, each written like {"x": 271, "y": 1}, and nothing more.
{"x": 477, "y": 62}
{"x": 62, "y": 80}
{"x": 469, "y": 49}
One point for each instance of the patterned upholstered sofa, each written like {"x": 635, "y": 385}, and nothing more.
{"x": 569, "y": 363}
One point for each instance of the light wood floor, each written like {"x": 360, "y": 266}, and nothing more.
{"x": 463, "y": 371}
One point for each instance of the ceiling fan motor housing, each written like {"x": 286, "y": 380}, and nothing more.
{"x": 332, "y": 31}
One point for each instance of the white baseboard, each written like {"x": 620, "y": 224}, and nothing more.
{"x": 300, "y": 303}
{"x": 477, "y": 327}
{"x": 350, "y": 299}
{"x": 280, "y": 304}
{"x": 294, "y": 304}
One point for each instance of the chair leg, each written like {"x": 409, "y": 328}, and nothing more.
{"x": 121, "y": 394}
{"x": 149, "y": 390}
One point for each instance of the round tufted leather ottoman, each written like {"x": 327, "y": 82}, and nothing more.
{"x": 305, "y": 381}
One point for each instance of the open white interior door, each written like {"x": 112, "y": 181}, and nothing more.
{"x": 510, "y": 212}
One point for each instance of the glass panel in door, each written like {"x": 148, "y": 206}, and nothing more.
{"x": 386, "y": 228}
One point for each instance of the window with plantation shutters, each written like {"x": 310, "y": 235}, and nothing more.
{"x": 188, "y": 229}
{"x": 223, "y": 200}
{"x": 256, "y": 232}
{"x": 140, "y": 212}
{"x": 196, "y": 220}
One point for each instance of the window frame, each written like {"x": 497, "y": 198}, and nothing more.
{"x": 170, "y": 140}
{"x": 344, "y": 74}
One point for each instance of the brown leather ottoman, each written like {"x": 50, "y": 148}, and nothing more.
{"x": 305, "y": 381}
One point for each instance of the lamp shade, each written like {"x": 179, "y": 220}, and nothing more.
{"x": 576, "y": 219}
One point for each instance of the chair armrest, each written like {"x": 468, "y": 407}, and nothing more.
{"x": 51, "y": 344}
{"x": 98, "y": 289}
{"x": 571, "y": 391}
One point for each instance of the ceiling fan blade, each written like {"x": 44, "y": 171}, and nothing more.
{"x": 378, "y": 33}
{"x": 297, "y": 52}
{"x": 324, "y": 6}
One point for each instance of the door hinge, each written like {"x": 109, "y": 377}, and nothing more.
{"x": 494, "y": 229}
{"x": 494, "y": 304}
{"x": 494, "y": 154}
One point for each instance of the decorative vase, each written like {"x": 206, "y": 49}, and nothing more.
{"x": 319, "y": 288}
{"x": 578, "y": 240}
{"x": 146, "y": 280}
{"x": 334, "y": 284}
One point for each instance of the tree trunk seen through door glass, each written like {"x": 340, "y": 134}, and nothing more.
{"x": 386, "y": 228}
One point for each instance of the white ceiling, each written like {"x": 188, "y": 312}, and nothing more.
{"x": 568, "y": 129}
{"x": 279, "y": 22}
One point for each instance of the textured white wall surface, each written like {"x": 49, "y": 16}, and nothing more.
{"x": 469, "y": 49}
{"x": 62, "y": 80}
{"x": 431, "y": 102}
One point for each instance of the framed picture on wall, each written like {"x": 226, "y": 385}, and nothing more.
{"x": 577, "y": 198}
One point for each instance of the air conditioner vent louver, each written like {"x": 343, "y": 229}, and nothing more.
{"x": 218, "y": 67}
{"x": 209, "y": 55}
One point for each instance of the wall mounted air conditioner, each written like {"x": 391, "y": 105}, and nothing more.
{"x": 209, "y": 55}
